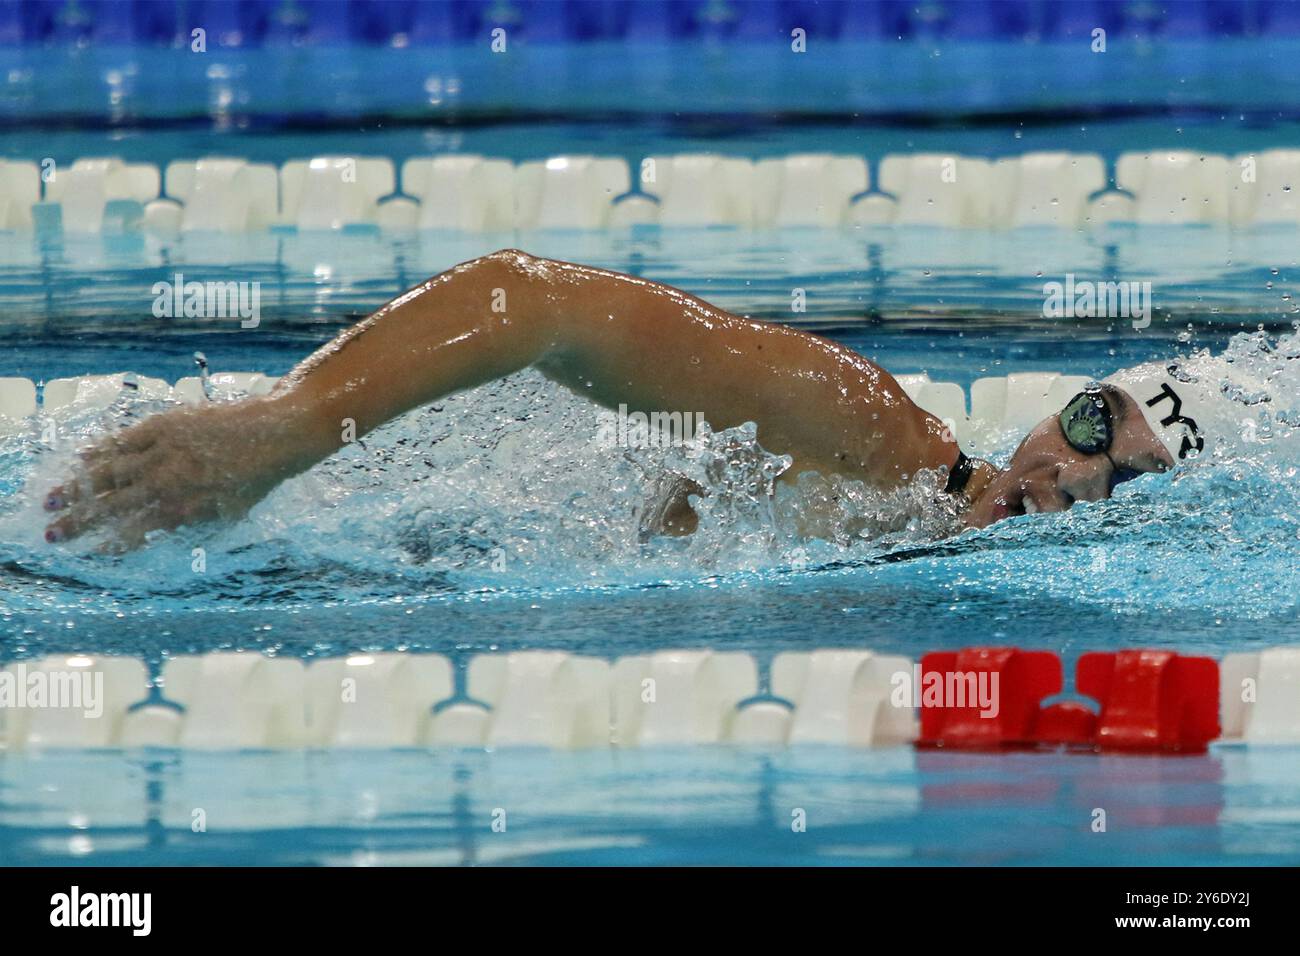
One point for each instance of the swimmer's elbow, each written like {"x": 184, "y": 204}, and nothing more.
{"x": 511, "y": 263}
{"x": 525, "y": 302}
{"x": 513, "y": 257}
{"x": 507, "y": 275}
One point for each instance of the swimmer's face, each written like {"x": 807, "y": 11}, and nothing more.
{"x": 1047, "y": 474}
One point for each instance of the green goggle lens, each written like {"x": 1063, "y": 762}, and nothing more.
{"x": 1086, "y": 423}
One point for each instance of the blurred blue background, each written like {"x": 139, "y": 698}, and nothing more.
{"x": 436, "y": 22}
{"x": 626, "y": 78}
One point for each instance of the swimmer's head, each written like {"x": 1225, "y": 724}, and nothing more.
{"x": 1048, "y": 473}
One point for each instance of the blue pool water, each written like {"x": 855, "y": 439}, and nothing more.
{"x": 383, "y": 547}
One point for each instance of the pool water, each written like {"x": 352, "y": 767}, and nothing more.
{"x": 711, "y": 806}
{"x": 386, "y": 546}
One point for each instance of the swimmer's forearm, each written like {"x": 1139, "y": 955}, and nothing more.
{"x": 457, "y": 330}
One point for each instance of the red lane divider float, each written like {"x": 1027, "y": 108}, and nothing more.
{"x": 989, "y": 698}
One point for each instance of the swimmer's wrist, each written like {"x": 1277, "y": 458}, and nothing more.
{"x": 304, "y": 433}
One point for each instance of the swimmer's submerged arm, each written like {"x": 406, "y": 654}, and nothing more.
{"x": 618, "y": 340}
{"x": 611, "y": 337}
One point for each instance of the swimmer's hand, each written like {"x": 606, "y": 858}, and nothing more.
{"x": 182, "y": 467}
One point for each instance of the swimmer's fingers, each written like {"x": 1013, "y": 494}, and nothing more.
{"x": 135, "y": 440}
{"x": 99, "y": 474}
{"x": 57, "y": 498}
{"x": 74, "y": 522}
{"x": 111, "y": 474}
{"x": 85, "y": 514}
{"x": 86, "y": 485}
{"x": 116, "y": 508}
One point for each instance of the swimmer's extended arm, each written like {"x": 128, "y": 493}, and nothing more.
{"x": 611, "y": 337}
{"x": 617, "y": 340}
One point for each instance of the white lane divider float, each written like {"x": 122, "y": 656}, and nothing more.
{"x": 477, "y": 194}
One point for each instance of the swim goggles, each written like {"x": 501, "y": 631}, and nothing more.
{"x": 1087, "y": 423}
{"x": 1089, "y": 427}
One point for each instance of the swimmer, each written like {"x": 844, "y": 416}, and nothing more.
{"x": 617, "y": 340}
